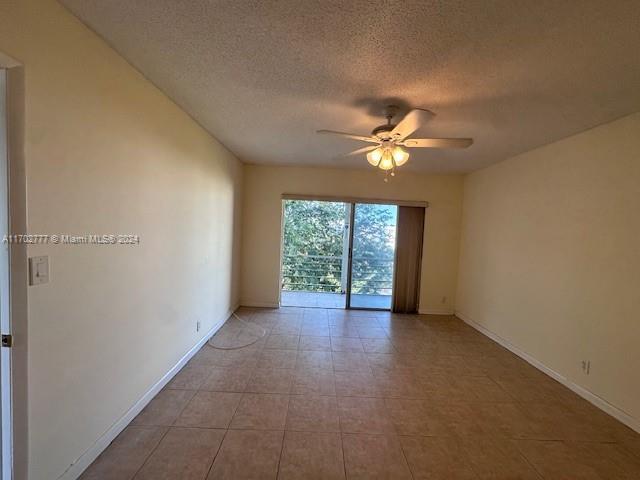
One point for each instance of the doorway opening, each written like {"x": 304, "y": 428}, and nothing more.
{"x": 338, "y": 254}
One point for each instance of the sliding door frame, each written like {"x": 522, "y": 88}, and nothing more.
{"x": 350, "y": 272}
{"x": 352, "y": 201}
{"x": 345, "y": 199}
{"x": 352, "y": 214}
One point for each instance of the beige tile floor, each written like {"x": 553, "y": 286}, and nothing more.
{"x": 334, "y": 394}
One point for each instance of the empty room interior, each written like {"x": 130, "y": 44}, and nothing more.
{"x": 320, "y": 240}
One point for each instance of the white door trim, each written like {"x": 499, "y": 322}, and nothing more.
{"x": 6, "y": 424}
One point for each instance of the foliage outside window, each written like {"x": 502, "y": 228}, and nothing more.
{"x": 314, "y": 243}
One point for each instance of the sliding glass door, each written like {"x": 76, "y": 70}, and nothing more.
{"x": 373, "y": 246}
{"x": 338, "y": 254}
{"x": 315, "y": 240}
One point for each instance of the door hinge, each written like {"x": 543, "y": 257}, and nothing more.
{"x": 7, "y": 341}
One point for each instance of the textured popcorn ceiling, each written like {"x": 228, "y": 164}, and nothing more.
{"x": 262, "y": 76}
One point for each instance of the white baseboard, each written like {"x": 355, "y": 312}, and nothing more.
{"x": 435, "y": 311}
{"x": 591, "y": 397}
{"x": 87, "y": 458}
{"x": 250, "y": 303}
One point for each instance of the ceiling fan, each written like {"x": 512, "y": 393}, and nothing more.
{"x": 391, "y": 140}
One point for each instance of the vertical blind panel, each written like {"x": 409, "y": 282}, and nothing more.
{"x": 406, "y": 284}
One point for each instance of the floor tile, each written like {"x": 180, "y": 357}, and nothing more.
{"x": 228, "y": 379}
{"x": 311, "y": 456}
{"x": 184, "y": 453}
{"x": 286, "y": 322}
{"x": 371, "y": 332}
{"x": 319, "y": 321}
{"x": 286, "y": 328}
{"x": 556, "y": 460}
{"x": 497, "y": 458}
{"x": 386, "y": 361}
{"x": 557, "y": 422}
{"x": 208, "y": 356}
{"x": 315, "y": 413}
{"x": 409, "y": 344}
{"x": 412, "y": 416}
{"x": 377, "y": 345}
{"x": 399, "y": 384}
{"x": 128, "y": 452}
{"x": 479, "y": 389}
{"x": 525, "y": 389}
{"x": 632, "y": 446}
{"x": 209, "y": 410}
{"x": 506, "y": 419}
{"x": 436, "y": 458}
{"x": 164, "y": 408}
{"x": 346, "y": 344}
{"x": 313, "y": 381}
{"x": 271, "y": 380}
{"x": 315, "y": 330}
{"x": 458, "y": 418}
{"x": 277, "y": 358}
{"x": 310, "y": 342}
{"x": 190, "y": 377}
{"x": 364, "y": 415}
{"x": 344, "y": 331}
{"x": 315, "y": 314}
{"x": 460, "y": 405}
{"x": 369, "y": 457}
{"x": 355, "y": 384}
{"x": 609, "y": 460}
{"x": 283, "y": 342}
{"x": 314, "y": 359}
{"x": 248, "y": 454}
{"x": 346, "y": 361}
{"x": 261, "y": 411}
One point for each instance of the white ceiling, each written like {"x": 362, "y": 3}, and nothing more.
{"x": 263, "y": 76}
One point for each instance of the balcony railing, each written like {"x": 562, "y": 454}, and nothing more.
{"x": 312, "y": 273}
{"x": 317, "y": 273}
{"x": 372, "y": 276}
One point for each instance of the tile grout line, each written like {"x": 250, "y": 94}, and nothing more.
{"x": 213, "y": 460}
{"x": 146, "y": 460}
{"x": 404, "y": 455}
{"x": 344, "y": 457}
{"x": 222, "y": 441}
{"x": 168, "y": 427}
{"x": 225, "y": 433}
{"x": 284, "y": 432}
{"x": 528, "y": 462}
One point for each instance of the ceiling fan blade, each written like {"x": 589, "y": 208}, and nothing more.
{"x": 438, "y": 142}
{"x": 411, "y": 122}
{"x": 361, "y": 150}
{"x": 349, "y": 135}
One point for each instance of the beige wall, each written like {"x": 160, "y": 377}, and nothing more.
{"x": 550, "y": 257}
{"x": 106, "y": 152}
{"x": 262, "y": 211}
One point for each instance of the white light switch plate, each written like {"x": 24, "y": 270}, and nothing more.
{"x": 39, "y": 270}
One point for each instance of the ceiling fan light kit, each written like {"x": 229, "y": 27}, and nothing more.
{"x": 391, "y": 140}
{"x": 387, "y": 157}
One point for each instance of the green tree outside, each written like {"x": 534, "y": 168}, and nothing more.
{"x": 314, "y": 242}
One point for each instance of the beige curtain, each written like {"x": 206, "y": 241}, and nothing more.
{"x": 406, "y": 280}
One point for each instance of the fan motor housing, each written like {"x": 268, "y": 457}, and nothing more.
{"x": 383, "y": 131}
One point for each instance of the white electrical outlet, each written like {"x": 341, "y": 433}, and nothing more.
{"x": 198, "y": 326}
{"x": 586, "y": 366}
